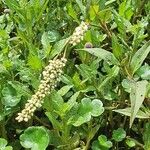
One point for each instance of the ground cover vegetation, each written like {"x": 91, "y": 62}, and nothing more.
{"x": 75, "y": 74}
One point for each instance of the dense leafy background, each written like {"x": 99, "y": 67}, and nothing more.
{"x": 102, "y": 101}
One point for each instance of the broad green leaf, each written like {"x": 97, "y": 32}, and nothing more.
{"x": 139, "y": 57}
{"x": 127, "y": 112}
{"x": 119, "y": 134}
{"x": 103, "y": 54}
{"x": 137, "y": 95}
{"x": 10, "y": 97}
{"x": 36, "y": 138}
{"x": 146, "y": 136}
{"x": 3, "y": 145}
{"x": 59, "y": 47}
{"x": 86, "y": 110}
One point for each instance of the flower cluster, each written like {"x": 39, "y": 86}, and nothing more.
{"x": 77, "y": 35}
{"x": 51, "y": 76}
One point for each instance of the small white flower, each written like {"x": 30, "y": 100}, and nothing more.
{"x": 77, "y": 35}
{"x": 51, "y": 75}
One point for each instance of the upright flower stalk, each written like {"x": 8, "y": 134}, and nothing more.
{"x": 78, "y": 34}
{"x": 51, "y": 75}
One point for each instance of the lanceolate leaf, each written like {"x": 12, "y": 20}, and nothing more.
{"x": 103, "y": 54}
{"x": 137, "y": 95}
{"x": 139, "y": 57}
{"x": 127, "y": 112}
{"x": 58, "y": 47}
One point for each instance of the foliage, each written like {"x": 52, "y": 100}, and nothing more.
{"x": 102, "y": 99}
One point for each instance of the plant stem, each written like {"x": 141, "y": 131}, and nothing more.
{"x": 87, "y": 144}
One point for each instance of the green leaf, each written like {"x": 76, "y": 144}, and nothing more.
{"x": 127, "y": 112}
{"x": 117, "y": 48}
{"x": 93, "y": 11}
{"x": 10, "y": 97}
{"x": 64, "y": 90}
{"x": 71, "y": 102}
{"x": 139, "y": 57}
{"x": 125, "y": 9}
{"x": 109, "y": 2}
{"x": 146, "y": 136}
{"x": 144, "y": 72}
{"x": 86, "y": 110}
{"x": 53, "y": 120}
{"x": 46, "y": 43}
{"x": 20, "y": 88}
{"x": 59, "y": 47}
{"x": 3, "y": 144}
{"x": 104, "y": 142}
{"x": 114, "y": 72}
{"x": 105, "y": 15}
{"x": 53, "y": 36}
{"x": 119, "y": 134}
{"x": 103, "y": 54}
{"x": 130, "y": 143}
{"x": 56, "y": 102}
{"x": 137, "y": 95}
{"x": 126, "y": 83}
{"x": 82, "y": 7}
{"x": 72, "y": 12}
{"x": 35, "y": 138}
{"x": 34, "y": 62}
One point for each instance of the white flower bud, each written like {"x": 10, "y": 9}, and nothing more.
{"x": 77, "y": 36}
{"x": 51, "y": 75}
